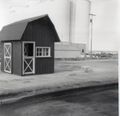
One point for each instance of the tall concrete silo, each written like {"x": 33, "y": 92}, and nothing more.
{"x": 78, "y": 18}
{"x": 60, "y": 15}
{"x": 79, "y": 28}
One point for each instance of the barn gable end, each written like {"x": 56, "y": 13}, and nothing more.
{"x": 16, "y": 30}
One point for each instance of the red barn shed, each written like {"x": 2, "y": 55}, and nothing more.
{"x": 28, "y": 46}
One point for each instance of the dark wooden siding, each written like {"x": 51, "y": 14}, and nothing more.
{"x": 2, "y": 56}
{"x": 40, "y": 31}
{"x": 45, "y": 65}
{"x": 16, "y": 58}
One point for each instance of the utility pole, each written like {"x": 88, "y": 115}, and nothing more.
{"x": 91, "y": 31}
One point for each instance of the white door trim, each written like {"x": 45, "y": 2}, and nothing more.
{"x": 29, "y": 57}
{"x": 6, "y": 51}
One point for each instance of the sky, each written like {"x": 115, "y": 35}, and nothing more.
{"x": 106, "y": 24}
{"x": 106, "y": 27}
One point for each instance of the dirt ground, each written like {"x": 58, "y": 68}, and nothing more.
{"x": 92, "y": 65}
{"x": 68, "y": 74}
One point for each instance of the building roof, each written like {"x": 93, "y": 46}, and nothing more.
{"x": 15, "y": 30}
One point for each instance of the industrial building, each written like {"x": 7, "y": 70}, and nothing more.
{"x": 65, "y": 50}
{"x": 77, "y": 43}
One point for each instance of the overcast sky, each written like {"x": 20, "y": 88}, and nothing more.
{"x": 106, "y": 22}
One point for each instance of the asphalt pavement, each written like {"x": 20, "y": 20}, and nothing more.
{"x": 98, "y": 101}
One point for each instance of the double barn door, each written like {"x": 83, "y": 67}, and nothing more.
{"x": 28, "y": 57}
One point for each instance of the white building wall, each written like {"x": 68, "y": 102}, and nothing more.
{"x": 69, "y": 50}
{"x": 60, "y": 15}
{"x": 80, "y": 21}
{"x": 69, "y": 54}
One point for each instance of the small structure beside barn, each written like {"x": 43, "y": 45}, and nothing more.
{"x": 28, "y": 46}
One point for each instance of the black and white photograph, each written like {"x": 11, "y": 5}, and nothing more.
{"x": 59, "y": 57}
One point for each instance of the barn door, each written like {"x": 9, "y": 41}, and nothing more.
{"x": 7, "y": 57}
{"x": 28, "y": 57}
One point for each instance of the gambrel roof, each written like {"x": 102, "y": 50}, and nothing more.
{"x": 15, "y": 30}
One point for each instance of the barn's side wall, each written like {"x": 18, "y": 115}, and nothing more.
{"x": 16, "y": 58}
{"x": 2, "y": 56}
{"x": 45, "y": 65}
{"x": 41, "y": 32}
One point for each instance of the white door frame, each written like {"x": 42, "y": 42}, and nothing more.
{"x": 28, "y": 57}
{"x": 6, "y": 50}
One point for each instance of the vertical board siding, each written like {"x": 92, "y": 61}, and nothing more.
{"x": 2, "y": 56}
{"x": 17, "y": 54}
{"x": 44, "y": 65}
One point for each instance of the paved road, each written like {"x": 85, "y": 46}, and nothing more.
{"x": 97, "y": 102}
